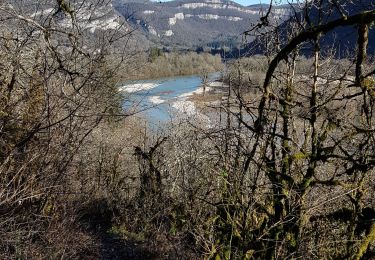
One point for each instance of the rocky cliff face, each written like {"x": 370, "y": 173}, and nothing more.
{"x": 195, "y": 23}
{"x": 94, "y": 18}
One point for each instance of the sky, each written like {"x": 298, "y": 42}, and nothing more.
{"x": 248, "y": 2}
{"x": 251, "y": 2}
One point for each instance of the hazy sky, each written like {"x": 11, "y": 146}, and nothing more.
{"x": 251, "y": 2}
{"x": 245, "y": 2}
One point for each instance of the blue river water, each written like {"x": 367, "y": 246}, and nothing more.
{"x": 154, "y": 98}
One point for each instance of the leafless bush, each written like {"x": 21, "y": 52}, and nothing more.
{"x": 57, "y": 86}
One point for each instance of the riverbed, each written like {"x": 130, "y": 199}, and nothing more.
{"x": 166, "y": 99}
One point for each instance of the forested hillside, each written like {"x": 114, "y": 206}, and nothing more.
{"x": 279, "y": 163}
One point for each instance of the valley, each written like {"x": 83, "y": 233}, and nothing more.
{"x": 187, "y": 129}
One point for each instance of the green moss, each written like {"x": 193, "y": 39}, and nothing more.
{"x": 365, "y": 243}
{"x": 300, "y": 156}
{"x": 292, "y": 240}
{"x": 249, "y": 254}
{"x": 306, "y": 183}
{"x": 369, "y": 85}
{"x": 3, "y": 114}
{"x": 122, "y": 232}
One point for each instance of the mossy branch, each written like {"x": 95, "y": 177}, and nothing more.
{"x": 366, "y": 242}
{"x": 311, "y": 34}
{"x": 63, "y": 6}
{"x": 367, "y": 17}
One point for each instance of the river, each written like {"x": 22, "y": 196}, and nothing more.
{"x": 164, "y": 99}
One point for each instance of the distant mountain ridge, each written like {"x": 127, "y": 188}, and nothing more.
{"x": 195, "y": 23}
